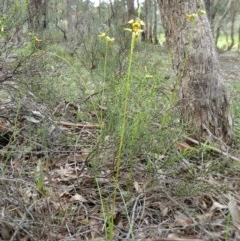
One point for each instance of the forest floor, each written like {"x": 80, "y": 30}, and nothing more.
{"x": 230, "y": 66}
{"x": 81, "y": 191}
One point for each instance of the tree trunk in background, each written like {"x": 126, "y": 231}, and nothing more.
{"x": 45, "y": 14}
{"x": 233, "y": 11}
{"x": 131, "y": 10}
{"x": 208, "y": 8}
{"x": 155, "y": 38}
{"x": 145, "y": 34}
{"x": 204, "y": 102}
{"x": 220, "y": 22}
{"x": 33, "y": 15}
{"x": 70, "y": 19}
{"x": 148, "y": 18}
{"x": 238, "y": 38}
{"x": 37, "y": 15}
{"x": 120, "y": 14}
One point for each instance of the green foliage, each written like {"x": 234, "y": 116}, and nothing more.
{"x": 235, "y": 89}
{"x": 128, "y": 93}
{"x": 39, "y": 180}
{"x": 224, "y": 42}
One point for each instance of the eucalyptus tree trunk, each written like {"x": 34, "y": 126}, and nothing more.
{"x": 155, "y": 37}
{"x": 204, "y": 101}
{"x": 71, "y": 19}
{"x": 208, "y": 8}
{"x": 45, "y": 13}
{"x": 37, "y": 15}
{"x": 233, "y": 11}
{"x": 131, "y": 10}
{"x": 149, "y": 19}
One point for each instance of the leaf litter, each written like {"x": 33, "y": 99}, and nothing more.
{"x": 192, "y": 200}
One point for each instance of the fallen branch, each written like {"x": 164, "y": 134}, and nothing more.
{"x": 219, "y": 151}
{"x": 80, "y": 125}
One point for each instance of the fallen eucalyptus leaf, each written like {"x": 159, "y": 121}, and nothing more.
{"x": 235, "y": 212}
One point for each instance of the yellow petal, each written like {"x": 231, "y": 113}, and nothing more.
{"x": 136, "y": 25}
{"x": 102, "y": 35}
{"x": 201, "y": 11}
{"x": 131, "y": 21}
{"x": 191, "y": 16}
{"x": 110, "y": 39}
{"x": 128, "y": 29}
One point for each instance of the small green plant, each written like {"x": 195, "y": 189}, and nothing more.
{"x": 39, "y": 180}
{"x": 228, "y": 227}
{"x": 135, "y": 30}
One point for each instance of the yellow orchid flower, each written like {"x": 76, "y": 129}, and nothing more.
{"x": 136, "y": 27}
{"x": 110, "y": 40}
{"x": 102, "y": 35}
{"x": 201, "y": 11}
{"x": 192, "y": 16}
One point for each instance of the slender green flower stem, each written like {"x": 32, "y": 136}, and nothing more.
{"x": 105, "y": 59}
{"x": 104, "y": 79}
{"x": 124, "y": 121}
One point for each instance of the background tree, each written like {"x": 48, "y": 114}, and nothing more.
{"x": 204, "y": 100}
{"x": 222, "y": 18}
{"x": 131, "y": 10}
{"x": 37, "y": 15}
{"x": 233, "y": 13}
{"x": 71, "y": 18}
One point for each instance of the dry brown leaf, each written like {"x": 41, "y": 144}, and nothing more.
{"x": 164, "y": 211}
{"x": 137, "y": 187}
{"x": 217, "y": 205}
{"x": 66, "y": 191}
{"x": 5, "y": 232}
{"x": 205, "y": 202}
{"x": 82, "y": 219}
{"x": 78, "y": 197}
{"x": 235, "y": 213}
{"x": 96, "y": 228}
{"x": 78, "y": 158}
{"x": 163, "y": 208}
{"x": 183, "y": 146}
{"x": 184, "y": 222}
{"x": 203, "y": 217}
{"x": 24, "y": 239}
{"x": 67, "y": 173}
{"x": 173, "y": 235}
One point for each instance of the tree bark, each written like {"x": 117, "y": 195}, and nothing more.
{"x": 149, "y": 21}
{"x": 204, "y": 101}
{"x": 208, "y": 8}
{"x": 155, "y": 37}
{"x": 131, "y": 10}
{"x": 71, "y": 19}
{"x": 233, "y": 11}
{"x": 37, "y": 15}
